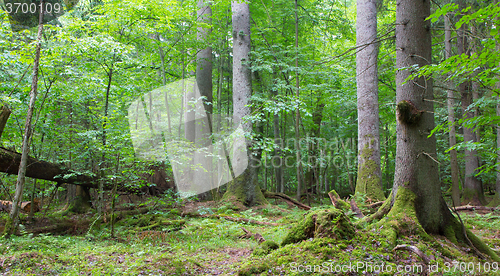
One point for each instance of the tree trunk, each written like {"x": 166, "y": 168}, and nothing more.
{"x": 11, "y": 224}
{"x": 416, "y": 198}
{"x": 297, "y": 112}
{"x": 244, "y": 188}
{"x": 4, "y": 116}
{"x": 203, "y": 125}
{"x": 455, "y": 188}
{"x": 473, "y": 187}
{"x": 369, "y": 173}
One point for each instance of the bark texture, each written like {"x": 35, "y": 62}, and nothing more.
{"x": 369, "y": 173}
{"x": 416, "y": 168}
{"x": 244, "y": 188}
{"x": 4, "y": 116}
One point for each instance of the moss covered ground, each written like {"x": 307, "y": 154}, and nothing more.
{"x": 161, "y": 241}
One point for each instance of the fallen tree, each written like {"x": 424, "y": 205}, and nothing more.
{"x": 39, "y": 169}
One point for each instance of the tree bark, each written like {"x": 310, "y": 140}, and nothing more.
{"x": 416, "y": 195}
{"x": 369, "y": 173}
{"x": 244, "y": 188}
{"x": 4, "y": 117}
{"x": 455, "y": 188}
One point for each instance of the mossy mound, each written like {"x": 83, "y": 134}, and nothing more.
{"x": 265, "y": 248}
{"x": 329, "y": 223}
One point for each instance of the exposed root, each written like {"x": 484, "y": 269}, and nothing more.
{"x": 375, "y": 205}
{"x": 415, "y": 250}
{"x": 355, "y": 209}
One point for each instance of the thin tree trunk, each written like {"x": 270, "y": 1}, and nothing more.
{"x": 164, "y": 82}
{"x": 473, "y": 187}
{"x": 204, "y": 110}
{"x": 297, "y": 95}
{"x": 244, "y": 188}
{"x": 12, "y": 222}
{"x": 100, "y": 193}
{"x": 455, "y": 185}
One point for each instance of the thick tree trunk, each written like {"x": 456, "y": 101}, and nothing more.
{"x": 416, "y": 195}
{"x": 473, "y": 187}
{"x": 455, "y": 188}
{"x": 244, "y": 188}
{"x": 369, "y": 173}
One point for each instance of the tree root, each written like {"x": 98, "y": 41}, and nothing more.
{"x": 355, "y": 209}
{"x": 415, "y": 250}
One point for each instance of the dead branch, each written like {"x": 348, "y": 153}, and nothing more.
{"x": 375, "y": 205}
{"x": 258, "y": 237}
{"x": 473, "y": 208}
{"x": 286, "y": 198}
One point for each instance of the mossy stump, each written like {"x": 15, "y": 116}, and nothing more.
{"x": 326, "y": 223}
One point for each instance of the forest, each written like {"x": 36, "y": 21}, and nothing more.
{"x": 240, "y": 137}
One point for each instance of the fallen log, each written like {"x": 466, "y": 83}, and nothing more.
{"x": 286, "y": 198}
{"x": 473, "y": 208}
{"x": 39, "y": 169}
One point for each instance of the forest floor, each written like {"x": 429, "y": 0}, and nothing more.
{"x": 194, "y": 238}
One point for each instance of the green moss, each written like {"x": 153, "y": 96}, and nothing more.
{"x": 495, "y": 202}
{"x": 368, "y": 182}
{"x": 265, "y": 248}
{"x": 402, "y": 218}
{"x": 331, "y": 223}
{"x": 482, "y": 247}
{"x": 240, "y": 193}
{"x": 449, "y": 233}
{"x": 341, "y": 204}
